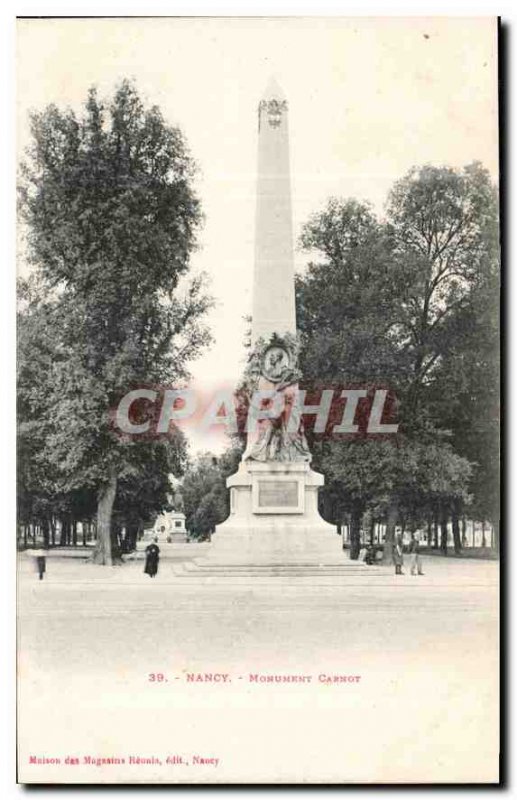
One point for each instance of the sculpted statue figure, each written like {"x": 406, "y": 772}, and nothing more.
{"x": 280, "y": 438}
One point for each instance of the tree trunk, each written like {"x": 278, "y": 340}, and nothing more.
{"x": 355, "y": 533}
{"x": 495, "y": 526}
{"x": 45, "y": 530}
{"x": 53, "y": 531}
{"x": 483, "y": 537}
{"x": 84, "y": 529}
{"x": 25, "y": 527}
{"x": 65, "y": 531}
{"x": 436, "y": 545}
{"x": 429, "y": 533}
{"x": 106, "y": 549}
{"x": 131, "y": 535}
{"x": 463, "y": 532}
{"x": 74, "y": 533}
{"x": 389, "y": 537}
{"x": 372, "y": 530}
{"x": 443, "y": 534}
{"x": 456, "y": 533}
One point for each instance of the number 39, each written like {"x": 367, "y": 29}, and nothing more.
{"x": 156, "y": 677}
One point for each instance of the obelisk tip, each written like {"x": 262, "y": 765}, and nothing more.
{"x": 273, "y": 90}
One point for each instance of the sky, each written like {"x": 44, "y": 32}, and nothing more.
{"x": 368, "y": 99}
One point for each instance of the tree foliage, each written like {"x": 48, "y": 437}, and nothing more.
{"x": 111, "y": 219}
{"x": 409, "y": 303}
{"x": 204, "y": 492}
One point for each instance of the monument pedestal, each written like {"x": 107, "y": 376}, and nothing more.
{"x": 274, "y": 519}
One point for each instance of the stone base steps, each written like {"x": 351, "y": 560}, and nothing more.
{"x": 239, "y": 572}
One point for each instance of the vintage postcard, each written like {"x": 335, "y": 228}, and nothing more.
{"x": 258, "y": 400}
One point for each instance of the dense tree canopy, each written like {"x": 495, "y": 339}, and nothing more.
{"x": 410, "y": 303}
{"x": 204, "y": 492}
{"x": 111, "y": 218}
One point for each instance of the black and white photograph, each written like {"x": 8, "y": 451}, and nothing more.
{"x": 258, "y": 289}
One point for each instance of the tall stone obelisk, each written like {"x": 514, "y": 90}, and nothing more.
{"x": 274, "y": 517}
{"x": 273, "y": 308}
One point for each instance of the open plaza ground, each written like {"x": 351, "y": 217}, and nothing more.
{"x": 332, "y": 674}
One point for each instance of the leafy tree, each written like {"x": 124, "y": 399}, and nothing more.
{"x": 204, "y": 492}
{"x": 465, "y": 396}
{"x": 399, "y": 478}
{"x": 395, "y": 304}
{"x": 145, "y": 494}
{"x": 346, "y": 303}
{"x": 38, "y": 483}
{"x": 348, "y": 297}
{"x": 112, "y": 219}
{"x": 444, "y": 223}
{"x": 204, "y": 495}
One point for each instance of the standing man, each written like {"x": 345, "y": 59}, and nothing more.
{"x": 398, "y": 555}
{"x": 40, "y": 561}
{"x": 416, "y": 559}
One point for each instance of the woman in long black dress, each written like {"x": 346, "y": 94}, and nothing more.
{"x": 152, "y": 557}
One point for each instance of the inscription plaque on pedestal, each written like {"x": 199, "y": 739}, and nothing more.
{"x": 280, "y": 495}
{"x": 283, "y": 494}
